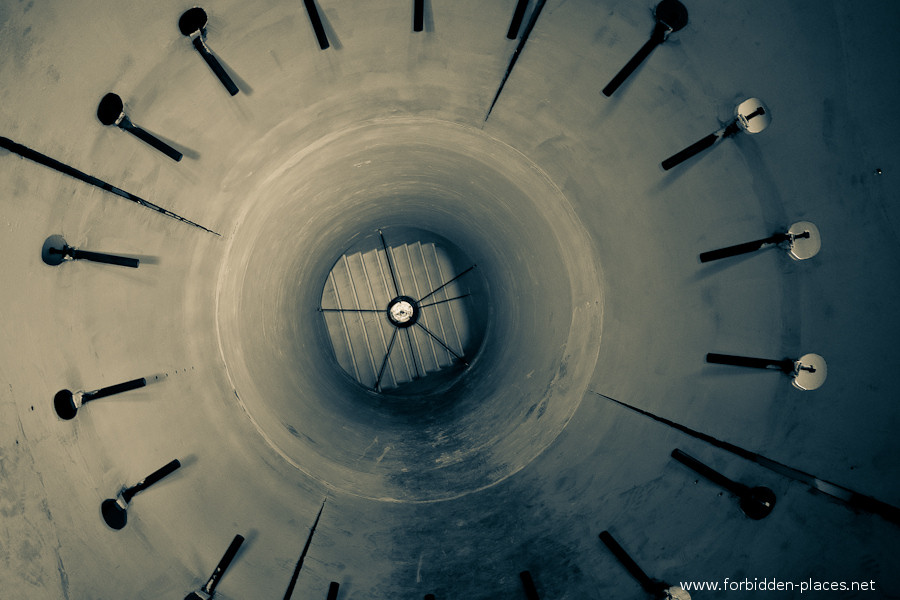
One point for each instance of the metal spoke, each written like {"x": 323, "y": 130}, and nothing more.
{"x": 385, "y": 361}
{"x": 350, "y": 310}
{"x": 439, "y": 341}
{"x": 412, "y": 352}
{"x": 535, "y": 13}
{"x": 390, "y": 265}
{"x": 442, "y": 301}
{"x": 443, "y": 285}
{"x": 290, "y": 589}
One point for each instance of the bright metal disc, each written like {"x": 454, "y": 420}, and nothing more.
{"x": 753, "y": 116}
{"x": 803, "y": 248}
{"x": 810, "y": 380}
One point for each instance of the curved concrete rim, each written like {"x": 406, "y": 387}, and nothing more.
{"x": 537, "y": 402}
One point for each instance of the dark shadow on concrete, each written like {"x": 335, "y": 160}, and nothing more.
{"x": 767, "y": 192}
{"x": 188, "y": 152}
{"x": 429, "y": 17}
{"x": 610, "y": 104}
{"x": 675, "y": 172}
{"x": 187, "y": 461}
{"x": 144, "y": 258}
{"x": 333, "y": 38}
{"x": 249, "y": 539}
{"x": 714, "y": 370}
{"x": 714, "y": 268}
{"x": 238, "y": 80}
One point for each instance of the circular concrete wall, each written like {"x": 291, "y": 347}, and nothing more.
{"x": 560, "y": 199}
{"x": 544, "y": 308}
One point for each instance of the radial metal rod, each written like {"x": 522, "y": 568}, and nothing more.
{"x": 56, "y": 251}
{"x": 152, "y": 140}
{"x": 443, "y": 285}
{"x": 751, "y": 116}
{"x": 785, "y": 365}
{"x": 333, "y": 588}
{"x": 192, "y": 24}
{"x": 312, "y": 530}
{"x": 209, "y": 590}
{"x": 369, "y": 310}
{"x": 418, "y": 15}
{"x": 517, "y": 17}
{"x": 756, "y": 502}
{"x": 445, "y": 300}
{"x": 692, "y": 463}
{"x": 695, "y": 148}
{"x": 151, "y": 479}
{"x": 847, "y": 496}
{"x": 390, "y": 263}
{"x": 67, "y": 402}
{"x": 671, "y": 16}
{"x": 640, "y": 56}
{"x": 528, "y": 586}
{"x": 111, "y": 111}
{"x": 650, "y": 585}
{"x": 512, "y": 62}
{"x": 215, "y": 65}
{"x": 59, "y": 254}
{"x": 114, "y": 510}
{"x": 316, "y": 22}
{"x": 109, "y": 259}
{"x": 65, "y": 169}
{"x": 748, "y": 247}
{"x": 439, "y": 341}
{"x": 115, "y": 389}
{"x": 386, "y": 356}
{"x": 412, "y": 351}
{"x": 744, "y": 248}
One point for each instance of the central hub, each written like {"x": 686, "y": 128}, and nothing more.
{"x": 403, "y": 311}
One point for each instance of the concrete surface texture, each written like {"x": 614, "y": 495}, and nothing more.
{"x": 593, "y": 286}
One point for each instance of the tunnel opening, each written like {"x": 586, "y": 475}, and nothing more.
{"x": 406, "y": 312}
{"x": 536, "y": 323}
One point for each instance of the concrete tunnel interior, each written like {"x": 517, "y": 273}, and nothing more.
{"x": 588, "y": 291}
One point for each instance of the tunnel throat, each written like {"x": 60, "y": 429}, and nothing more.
{"x": 400, "y": 309}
